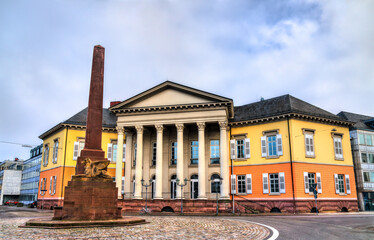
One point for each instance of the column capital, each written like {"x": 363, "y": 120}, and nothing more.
{"x": 159, "y": 127}
{"x": 223, "y": 125}
{"x": 139, "y": 128}
{"x": 201, "y": 125}
{"x": 120, "y": 129}
{"x": 128, "y": 131}
{"x": 180, "y": 126}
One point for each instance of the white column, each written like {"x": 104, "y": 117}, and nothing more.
{"x": 180, "y": 128}
{"x": 159, "y": 177}
{"x": 139, "y": 162}
{"x": 120, "y": 131}
{"x": 224, "y": 161}
{"x": 128, "y": 164}
{"x": 201, "y": 171}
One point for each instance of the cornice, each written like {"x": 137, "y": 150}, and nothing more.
{"x": 294, "y": 116}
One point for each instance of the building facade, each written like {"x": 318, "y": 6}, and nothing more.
{"x": 30, "y": 176}
{"x": 171, "y": 133}
{"x": 362, "y": 140}
{"x": 10, "y": 180}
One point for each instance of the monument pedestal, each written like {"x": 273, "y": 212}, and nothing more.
{"x": 89, "y": 198}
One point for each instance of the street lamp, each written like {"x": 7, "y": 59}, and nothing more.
{"x": 146, "y": 193}
{"x": 314, "y": 186}
{"x": 43, "y": 192}
{"x": 182, "y": 185}
{"x": 217, "y": 181}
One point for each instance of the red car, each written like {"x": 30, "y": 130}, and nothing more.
{"x": 11, "y": 203}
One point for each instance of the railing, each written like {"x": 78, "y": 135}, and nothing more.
{"x": 249, "y": 208}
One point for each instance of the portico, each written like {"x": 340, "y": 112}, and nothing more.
{"x": 163, "y": 127}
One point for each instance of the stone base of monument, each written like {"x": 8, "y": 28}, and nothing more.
{"x": 89, "y": 202}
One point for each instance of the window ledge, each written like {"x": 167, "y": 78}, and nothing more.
{"x": 214, "y": 165}
{"x": 343, "y": 194}
{"x": 272, "y": 157}
{"x": 274, "y": 194}
{"x": 240, "y": 159}
{"x": 339, "y": 159}
{"x": 173, "y": 166}
{"x": 242, "y": 194}
{"x": 310, "y": 156}
{"x": 193, "y": 165}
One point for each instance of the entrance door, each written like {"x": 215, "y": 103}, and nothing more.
{"x": 153, "y": 187}
{"x": 194, "y": 186}
{"x": 173, "y": 187}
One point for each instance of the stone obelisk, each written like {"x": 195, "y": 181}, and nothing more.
{"x": 92, "y": 194}
{"x": 92, "y": 147}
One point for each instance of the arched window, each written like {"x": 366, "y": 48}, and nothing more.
{"x": 215, "y": 185}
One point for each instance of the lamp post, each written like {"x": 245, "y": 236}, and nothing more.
{"x": 217, "y": 181}
{"x": 146, "y": 193}
{"x": 181, "y": 185}
{"x": 315, "y": 192}
{"x": 43, "y": 192}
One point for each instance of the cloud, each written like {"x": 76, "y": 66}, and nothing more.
{"x": 319, "y": 51}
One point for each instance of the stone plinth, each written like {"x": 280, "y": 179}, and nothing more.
{"x": 89, "y": 199}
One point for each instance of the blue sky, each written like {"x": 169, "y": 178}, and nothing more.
{"x": 319, "y": 51}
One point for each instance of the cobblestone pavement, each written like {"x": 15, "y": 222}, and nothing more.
{"x": 159, "y": 227}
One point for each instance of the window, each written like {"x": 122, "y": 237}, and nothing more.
{"x": 173, "y": 160}
{"x": 46, "y": 155}
{"x": 52, "y": 185}
{"x": 361, "y": 138}
{"x": 112, "y": 151}
{"x": 342, "y": 184}
{"x": 371, "y": 157}
{"x": 55, "y": 151}
{"x": 241, "y": 184}
{"x": 78, "y": 147}
{"x": 338, "y": 147}
{"x": 271, "y": 145}
{"x": 275, "y": 182}
{"x": 369, "y": 140}
{"x": 366, "y": 177}
{"x": 215, "y": 185}
{"x": 364, "y": 158}
{"x": 310, "y": 179}
{"x": 135, "y": 153}
{"x": 214, "y": 151}
{"x": 309, "y": 144}
{"x": 240, "y": 148}
{"x": 154, "y": 154}
{"x": 173, "y": 187}
{"x": 194, "y": 152}
{"x": 43, "y": 185}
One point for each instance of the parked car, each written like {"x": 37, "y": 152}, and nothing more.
{"x": 33, "y": 204}
{"x": 11, "y": 202}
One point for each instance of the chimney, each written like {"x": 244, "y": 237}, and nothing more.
{"x": 114, "y": 103}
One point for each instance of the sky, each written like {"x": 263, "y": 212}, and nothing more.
{"x": 320, "y": 51}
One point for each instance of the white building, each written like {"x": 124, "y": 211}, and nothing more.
{"x": 10, "y": 180}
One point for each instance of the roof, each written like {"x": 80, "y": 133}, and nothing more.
{"x": 281, "y": 105}
{"x": 212, "y": 98}
{"x": 362, "y": 122}
{"x": 109, "y": 121}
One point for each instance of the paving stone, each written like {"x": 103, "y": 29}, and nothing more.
{"x": 159, "y": 227}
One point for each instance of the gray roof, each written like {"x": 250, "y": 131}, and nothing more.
{"x": 109, "y": 119}
{"x": 362, "y": 122}
{"x": 278, "y": 106}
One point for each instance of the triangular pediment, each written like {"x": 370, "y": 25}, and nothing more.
{"x": 170, "y": 94}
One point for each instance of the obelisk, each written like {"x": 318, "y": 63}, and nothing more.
{"x": 92, "y": 147}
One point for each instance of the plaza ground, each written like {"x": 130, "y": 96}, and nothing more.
{"x": 323, "y": 226}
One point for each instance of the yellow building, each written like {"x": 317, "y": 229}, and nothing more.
{"x": 61, "y": 147}
{"x": 275, "y": 150}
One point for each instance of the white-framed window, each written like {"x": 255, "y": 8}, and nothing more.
{"x": 367, "y": 157}
{"x": 312, "y": 178}
{"x": 342, "y": 184}
{"x": 78, "y": 147}
{"x": 55, "y": 151}
{"x": 46, "y": 155}
{"x": 273, "y": 183}
{"x": 271, "y": 145}
{"x": 173, "y": 187}
{"x": 214, "y": 152}
{"x": 241, "y": 184}
{"x": 240, "y": 148}
{"x": 174, "y": 148}
{"x": 338, "y": 149}
{"x": 154, "y": 154}
{"x": 194, "y": 152}
{"x": 135, "y": 153}
{"x": 43, "y": 186}
{"x": 309, "y": 144}
{"x": 52, "y": 185}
